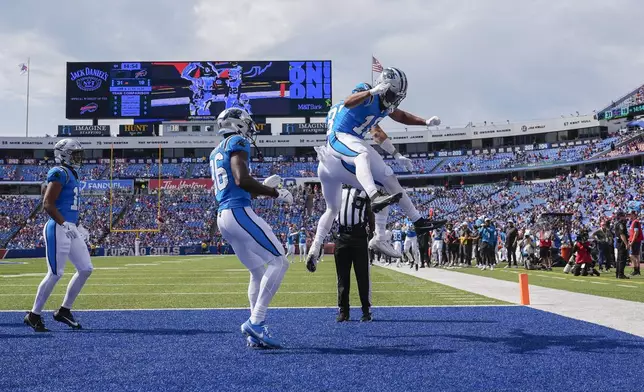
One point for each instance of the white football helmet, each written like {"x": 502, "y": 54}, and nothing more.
{"x": 398, "y": 86}
{"x": 236, "y": 120}
{"x": 69, "y": 152}
{"x": 397, "y": 225}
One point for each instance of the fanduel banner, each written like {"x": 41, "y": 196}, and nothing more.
{"x": 104, "y": 185}
{"x": 197, "y": 183}
{"x": 304, "y": 128}
{"x": 83, "y": 130}
{"x": 136, "y": 130}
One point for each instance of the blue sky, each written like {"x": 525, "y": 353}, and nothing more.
{"x": 466, "y": 60}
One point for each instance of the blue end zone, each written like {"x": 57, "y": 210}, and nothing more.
{"x": 417, "y": 349}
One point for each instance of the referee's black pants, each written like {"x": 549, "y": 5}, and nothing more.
{"x": 352, "y": 249}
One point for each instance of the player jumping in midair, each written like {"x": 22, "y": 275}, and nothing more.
{"x": 348, "y": 122}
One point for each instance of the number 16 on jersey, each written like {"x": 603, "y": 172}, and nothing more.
{"x": 218, "y": 173}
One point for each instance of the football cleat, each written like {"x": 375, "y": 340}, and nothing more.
{"x": 35, "y": 321}
{"x": 253, "y": 343}
{"x": 381, "y": 200}
{"x": 423, "y": 225}
{"x": 384, "y": 247}
{"x": 64, "y": 316}
{"x": 366, "y": 317}
{"x": 342, "y": 316}
{"x": 260, "y": 332}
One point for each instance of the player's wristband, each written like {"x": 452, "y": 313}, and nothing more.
{"x": 388, "y": 146}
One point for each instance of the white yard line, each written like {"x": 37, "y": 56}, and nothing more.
{"x": 272, "y": 307}
{"x": 147, "y": 293}
{"x": 623, "y": 315}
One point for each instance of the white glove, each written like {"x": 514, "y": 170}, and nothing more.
{"x": 404, "y": 161}
{"x": 83, "y": 232}
{"x": 70, "y": 231}
{"x": 284, "y": 196}
{"x": 273, "y": 181}
{"x": 380, "y": 89}
{"x": 433, "y": 121}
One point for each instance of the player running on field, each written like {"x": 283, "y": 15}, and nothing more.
{"x": 250, "y": 236}
{"x": 63, "y": 239}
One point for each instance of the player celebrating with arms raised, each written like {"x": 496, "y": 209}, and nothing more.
{"x": 63, "y": 239}
{"x": 348, "y": 123}
{"x": 250, "y": 236}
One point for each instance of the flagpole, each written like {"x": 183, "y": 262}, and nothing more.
{"x": 27, "y": 115}
{"x": 372, "y": 69}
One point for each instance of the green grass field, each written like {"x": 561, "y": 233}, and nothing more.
{"x": 605, "y": 285}
{"x": 151, "y": 282}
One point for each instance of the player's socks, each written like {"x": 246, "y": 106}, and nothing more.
{"x": 75, "y": 286}
{"x": 64, "y": 315}
{"x": 270, "y": 283}
{"x": 35, "y": 321}
{"x": 44, "y": 291}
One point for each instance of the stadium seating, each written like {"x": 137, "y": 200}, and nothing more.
{"x": 146, "y": 170}
{"x": 14, "y": 213}
{"x": 7, "y": 172}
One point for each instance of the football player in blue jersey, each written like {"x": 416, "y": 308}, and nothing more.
{"x": 348, "y": 122}
{"x": 63, "y": 239}
{"x": 250, "y": 236}
{"x": 397, "y": 236}
{"x": 411, "y": 246}
{"x": 302, "y": 243}
{"x": 291, "y": 237}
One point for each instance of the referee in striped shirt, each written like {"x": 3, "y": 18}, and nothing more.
{"x": 351, "y": 248}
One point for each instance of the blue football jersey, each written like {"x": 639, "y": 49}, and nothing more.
{"x": 302, "y": 237}
{"x": 410, "y": 233}
{"x": 396, "y": 234}
{"x": 69, "y": 199}
{"x": 228, "y": 194}
{"x": 359, "y": 120}
{"x": 290, "y": 238}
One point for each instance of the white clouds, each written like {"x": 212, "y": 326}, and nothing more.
{"x": 466, "y": 59}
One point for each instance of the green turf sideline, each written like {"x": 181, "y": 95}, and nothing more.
{"x": 604, "y": 286}
{"x": 209, "y": 282}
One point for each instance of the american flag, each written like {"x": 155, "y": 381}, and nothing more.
{"x": 23, "y": 68}
{"x": 375, "y": 65}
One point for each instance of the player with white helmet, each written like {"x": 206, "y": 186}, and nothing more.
{"x": 348, "y": 123}
{"x": 250, "y": 236}
{"x": 63, "y": 238}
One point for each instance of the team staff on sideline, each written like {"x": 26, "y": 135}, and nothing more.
{"x": 351, "y": 248}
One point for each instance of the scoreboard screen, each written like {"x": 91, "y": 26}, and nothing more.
{"x": 197, "y": 90}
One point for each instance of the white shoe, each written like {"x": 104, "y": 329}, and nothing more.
{"x": 384, "y": 247}
{"x": 491, "y": 268}
{"x": 484, "y": 268}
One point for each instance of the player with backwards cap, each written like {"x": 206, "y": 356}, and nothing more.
{"x": 63, "y": 238}
{"x": 251, "y": 237}
{"x": 348, "y": 123}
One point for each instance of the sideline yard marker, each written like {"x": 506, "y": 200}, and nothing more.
{"x": 525, "y": 292}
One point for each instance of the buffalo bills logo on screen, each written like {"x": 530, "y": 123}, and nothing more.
{"x": 88, "y": 79}
{"x": 141, "y": 74}
{"x": 89, "y": 108}
{"x": 524, "y": 128}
